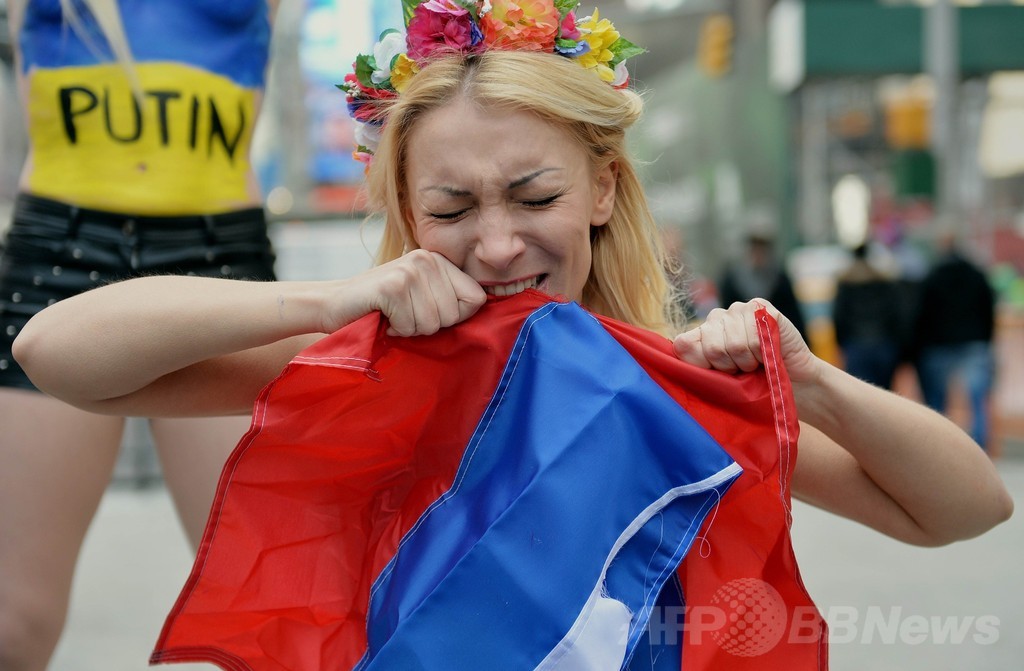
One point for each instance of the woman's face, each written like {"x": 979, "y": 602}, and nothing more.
{"x": 506, "y": 197}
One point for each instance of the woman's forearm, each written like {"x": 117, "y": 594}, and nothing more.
{"x": 114, "y": 340}
{"x": 181, "y": 346}
{"x": 920, "y": 460}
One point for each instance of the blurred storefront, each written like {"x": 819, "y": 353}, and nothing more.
{"x": 921, "y": 104}
{"x": 846, "y": 120}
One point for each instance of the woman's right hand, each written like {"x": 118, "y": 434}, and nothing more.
{"x": 420, "y": 293}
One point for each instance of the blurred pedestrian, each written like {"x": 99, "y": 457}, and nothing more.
{"x": 759, "y": 272}
{"x": 140, "y": 117}
{"x": 953, "y": 335}
{"x": 868, "y": 320}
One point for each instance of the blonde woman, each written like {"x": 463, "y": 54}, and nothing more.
{"x": 499, "y": 170}
{"x": 139, "y": 118}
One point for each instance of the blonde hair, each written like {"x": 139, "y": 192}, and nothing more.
{"x": 627, "y": 278}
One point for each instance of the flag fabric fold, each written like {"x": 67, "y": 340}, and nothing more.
{"x": 526, "y": 490}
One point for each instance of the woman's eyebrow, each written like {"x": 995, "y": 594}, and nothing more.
{"x": 523, "y": 180}
{"x": 461, "y": 193}
{"x": 447, "y": 190}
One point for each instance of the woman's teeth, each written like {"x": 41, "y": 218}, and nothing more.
{"x": 513, "y": 288}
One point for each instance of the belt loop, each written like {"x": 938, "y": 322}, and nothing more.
{"x": 211, "y": 229}
{"x": 74, "y": 221}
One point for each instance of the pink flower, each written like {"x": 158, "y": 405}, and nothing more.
{"x": 442, "y": 6}
{"x": 523, "y": 25}
{"x": 568, "y": 30}
{"x": 440, "y": 25}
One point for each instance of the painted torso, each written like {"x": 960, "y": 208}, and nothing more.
{"x": 183, "y": 147}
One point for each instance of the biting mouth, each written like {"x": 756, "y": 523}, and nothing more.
{"x": 512, "y": 288}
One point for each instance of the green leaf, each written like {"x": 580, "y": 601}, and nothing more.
{"x": 623, "y": 49}
{"x": 365, "y": 65}
{"x": 565, "y": 6}
{"x": 408, "y": 8}
{"x": 563, "y": 43}
{"x": 471, "y": 7}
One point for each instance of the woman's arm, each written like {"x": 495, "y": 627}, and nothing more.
{"x": 180, "y": 346}
{"x": 168, "y": 345}
{"x": 864, "y": 452}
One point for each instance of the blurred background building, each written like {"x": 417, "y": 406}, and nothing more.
{"x": 826, "y": 122}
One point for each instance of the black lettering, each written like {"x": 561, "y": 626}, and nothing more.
{"x": 193, "y": 126}
{"x": 68, "y": 111}
{"x": 161, "y": 106}
{"x": 217, "y": 130}
{"x": 138, "y": 118}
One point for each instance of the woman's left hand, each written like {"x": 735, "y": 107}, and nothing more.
{"x": 865, "y": 453}
{"x": 728, "y": 341}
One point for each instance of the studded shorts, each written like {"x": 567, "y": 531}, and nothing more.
{"x": 53, "y": 251}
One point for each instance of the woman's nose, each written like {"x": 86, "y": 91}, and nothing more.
{"x": 498, "y": 241}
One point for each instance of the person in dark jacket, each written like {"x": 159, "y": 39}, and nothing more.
{"x": 760, "y": 273}
{"x": 868, "y": 321}
{"x": 955, "y": 327}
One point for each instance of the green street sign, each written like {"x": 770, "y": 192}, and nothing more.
{"x": 831, "y": 38}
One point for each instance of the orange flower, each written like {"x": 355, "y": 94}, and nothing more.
{"x": 523, "y": 25}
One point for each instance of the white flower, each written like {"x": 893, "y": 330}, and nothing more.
{"x": 392, "y": 43}
{"x": 621, "y": 74}
{"x": 368, "y": 135}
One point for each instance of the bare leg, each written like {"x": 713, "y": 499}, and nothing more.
{"x": 55, "y": 464}
{"x": 192, "y": 454}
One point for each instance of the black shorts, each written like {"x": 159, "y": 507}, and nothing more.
{"x": 54, "y": 251}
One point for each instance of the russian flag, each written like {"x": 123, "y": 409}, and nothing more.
{"x": 525, "y": 490}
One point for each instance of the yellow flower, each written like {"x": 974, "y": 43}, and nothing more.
{"x": 600, "y": 34}
{"x": 403, "y": 71}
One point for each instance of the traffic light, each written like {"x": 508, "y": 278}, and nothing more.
{"x": 714, "y": 51}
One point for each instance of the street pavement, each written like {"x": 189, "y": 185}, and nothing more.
{"x": 891, "y": 606}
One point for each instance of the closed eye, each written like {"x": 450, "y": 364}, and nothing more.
{"x": 448, "y": 216}
{"x": 543, "y": 202}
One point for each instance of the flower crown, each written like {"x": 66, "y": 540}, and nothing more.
{"x": 436, "y": 27}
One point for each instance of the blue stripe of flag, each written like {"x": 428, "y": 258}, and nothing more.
{"x": 576, "y": 443}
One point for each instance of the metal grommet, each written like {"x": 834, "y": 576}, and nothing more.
{"x": 94, "y": 275}
{"x": 191, "y": 273}
{"x": 129, "y": 227}
{"x": 37, "y": 280}
{"x": 16, "y": 297}
{"x": 210, "y": 256}
{"x": 12, "y": 330}
{"x": 77, "y": 253}
{"x": 225, "y": 270}
{"x": 57, "y": 270}
{"x": 51, "y": 301}
{"x": 3, "y": 364}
